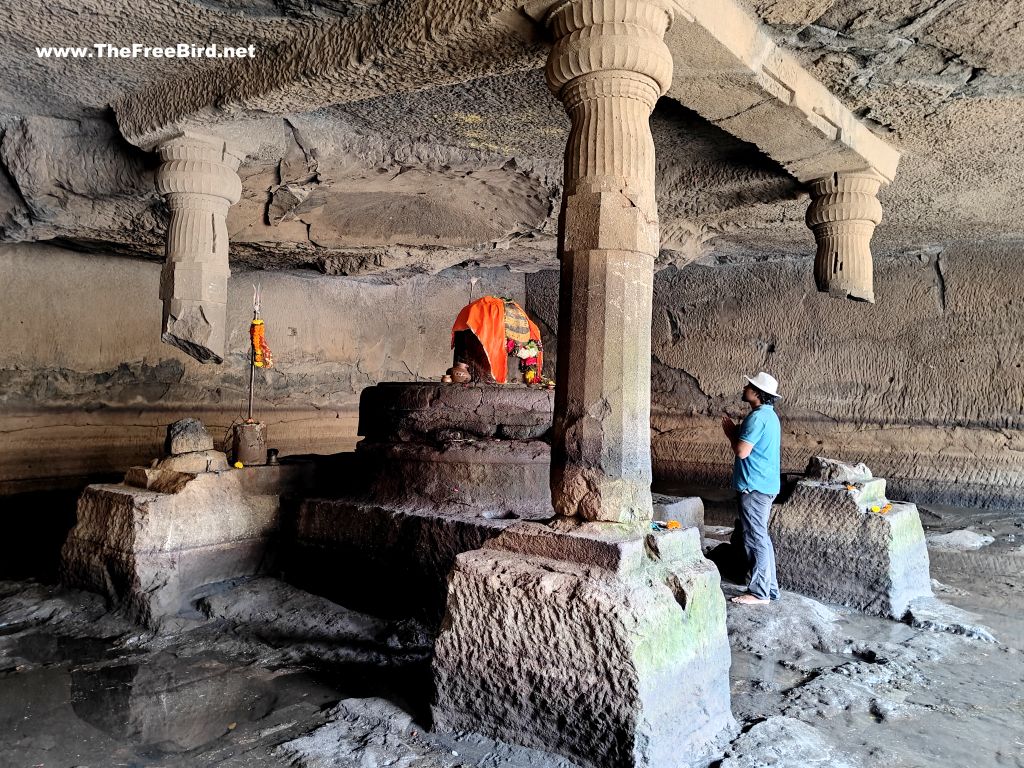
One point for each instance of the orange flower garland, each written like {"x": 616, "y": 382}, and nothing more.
{"x": 262, "y": 358}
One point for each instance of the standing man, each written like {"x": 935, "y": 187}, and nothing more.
{"x": 756, "y": 475}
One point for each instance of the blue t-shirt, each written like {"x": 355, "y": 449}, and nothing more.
{"x": 762, "y": 469}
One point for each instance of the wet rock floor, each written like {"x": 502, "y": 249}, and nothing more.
{"x": 258, "y": 682}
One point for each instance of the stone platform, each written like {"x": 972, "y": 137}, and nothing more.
{"x": 380, "y": 557}
{"x": 156, "y": 543}
{"x": 609, "y": 648}
{"x": 465, "y": 447}
{"x": 831, "y": 546}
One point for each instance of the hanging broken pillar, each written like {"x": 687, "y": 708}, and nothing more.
{"x": 609, "y": 66}
{"x": 843, "y": 215}
{"x": 198, "y": 179}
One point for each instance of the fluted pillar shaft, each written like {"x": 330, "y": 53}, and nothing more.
{"x": 198, "y": 178}
{"x": 843, "y": 215}
{"x": 609, "y": 65}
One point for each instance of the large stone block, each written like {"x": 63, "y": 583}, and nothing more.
{"x": 382, "y": 560}
{"x": 607, "y": 647}
{"x": 152, "y": 550}
{"x": 489, "y": 477}
{"x": 831, "y": 546}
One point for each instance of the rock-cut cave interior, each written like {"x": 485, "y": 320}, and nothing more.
{"x": 512, "y": 383}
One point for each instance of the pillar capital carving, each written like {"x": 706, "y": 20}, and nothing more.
{"x": 199, "y": 165}
{"x": 843, "y": 214}
{"x": 199, "y": 180}
{"x": 612, "y": 40}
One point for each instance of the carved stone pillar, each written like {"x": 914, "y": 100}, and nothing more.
{"x": 843, "y": 215}
{"x": 198, "y": 178}
{"x": 609, "y": 66}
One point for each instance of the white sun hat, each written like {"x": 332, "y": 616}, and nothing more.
{"x": 766, "y": 383}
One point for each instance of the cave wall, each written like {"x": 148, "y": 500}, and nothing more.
{"x": 86, "y": 386}
{"x": 926, "y": 386}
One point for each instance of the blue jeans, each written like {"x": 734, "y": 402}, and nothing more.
{"x": 755, "y": 509}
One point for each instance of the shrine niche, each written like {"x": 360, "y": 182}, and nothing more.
{"x": 491, "y": 330}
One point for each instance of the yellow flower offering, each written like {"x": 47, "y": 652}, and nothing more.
{"x": 672, "y": 524}
{"x": 238, "y": 465}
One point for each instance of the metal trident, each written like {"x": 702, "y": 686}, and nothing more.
{"x": 257, "y": 296}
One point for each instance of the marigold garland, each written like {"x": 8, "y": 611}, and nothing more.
{"x": 262, "y": 358}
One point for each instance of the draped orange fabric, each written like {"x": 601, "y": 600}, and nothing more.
{"x": 485, "y": 317}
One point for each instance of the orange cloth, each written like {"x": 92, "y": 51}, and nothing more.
{"x": 485, "y": 317}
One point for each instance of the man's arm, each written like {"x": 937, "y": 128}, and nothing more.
{"x": 740, "y": 447}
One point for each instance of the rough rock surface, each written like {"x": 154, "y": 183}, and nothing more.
{"x": 830, "y": 545}
{"x": 648, "y": 688}
{"x": 154, "y": 553}
{"x": 929, "y": 613}
{"x": 369, "y": 732}
{"x": 794, "y": 626}
{"x": 782, "y": 742}
{"x": 919, "y": 76}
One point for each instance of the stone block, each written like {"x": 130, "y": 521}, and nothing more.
{"x": 160, "y": 480}
{"x": 427, "y": 412}
{"x": 829, "y": 545}
{"x": 492, "y": 477}
{"x": 607, "y": 221}
{"x": 152, "y": 552}
{"x": 196, "y": 462}
{"x": 186, "y": 436}
{"x": 607, "y": 666}
{"x": 688, "y": 511}
{"x": 833, "y": 471}
{"x": 589, "y": 545}
{"x": 382, "y": 560}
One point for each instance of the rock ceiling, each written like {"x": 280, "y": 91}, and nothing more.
{"x": 450, "y": 152}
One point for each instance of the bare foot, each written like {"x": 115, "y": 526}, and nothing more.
{"x": 750, "y": 600}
